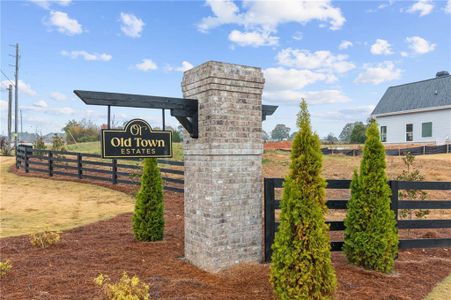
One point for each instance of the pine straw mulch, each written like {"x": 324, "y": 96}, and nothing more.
{"x": 67, "y": 269}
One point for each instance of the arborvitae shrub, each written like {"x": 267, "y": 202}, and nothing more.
{"x": 301, "y": 266}
{"x": 371, "y": 238}
{"x": 148, "y": 218}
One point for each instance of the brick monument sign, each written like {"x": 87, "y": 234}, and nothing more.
{"x": 223, "y": 166}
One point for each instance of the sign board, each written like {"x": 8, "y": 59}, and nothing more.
{"x": 136, "y": 140}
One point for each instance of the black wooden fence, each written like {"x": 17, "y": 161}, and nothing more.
{"x": 271, "y": 204}
{"x": 420, "y": 150}
{"x": 93, "y": 167}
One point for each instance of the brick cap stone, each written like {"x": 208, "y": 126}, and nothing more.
{"x": 216, "y": 69}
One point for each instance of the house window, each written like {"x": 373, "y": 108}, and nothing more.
{"x": 409, "y": 132}
{"x": 383, "y": 133}
{"x": 426, "y": 129}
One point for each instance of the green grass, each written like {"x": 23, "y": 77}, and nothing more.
{"x": 94, "y": 148}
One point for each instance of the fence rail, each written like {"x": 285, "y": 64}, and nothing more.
{"x": 420, "y": 150}
{"x": 271, "y": 204}
{"x": 93, "y": 167}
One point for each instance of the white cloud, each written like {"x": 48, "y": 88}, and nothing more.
{"x": 321, "y": 60}
{"x": 146, "y": 65}
{"x": 447, "y": 8}
{"x": 58, "y": 96}
{"x": 186, "y": 65}
{"x": 312, "y": 97}
{"x": 253, "y": 38}
{"x": 270, "y": 14}
{"x": 423, "y": 7}
{"x": 347, "y": 114}
{"x": 263, "y": 17}
{"x": 381, "y": 47}
{"x": 378, "y": 73}
{"x": 131, "y": 26}
{"x": 40, "y": 104}
{"x": 47, "y": 3}
{"x": 297, "y": 36}
{"x": 23, "y": 87}
{"x": 345, "y": 45}
{"x": 63, "y": 23}
{"x": 282, "y": 78}
{"x": 87, "y": 55}
{"x": 418, "y": 46}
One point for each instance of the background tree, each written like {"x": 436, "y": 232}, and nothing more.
{"x": 58, "y": 143}
{"x": 330, "y": 139}
{"x": 345, "y": 135}
{"x": 358, "y": 133}
{"x": 176, "y": 134}
{"x": 371, "y": 238}
{"x": 265, "y": 135}
{"x": 81, "y": 131}
{"x": 301, "y": 266}
{"x": 280, "y": 132}
{"x": 410, "y": 173}
{"x": 148, "y": 218}
{"x": 39, "y": 142}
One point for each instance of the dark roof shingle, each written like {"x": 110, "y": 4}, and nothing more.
{"x": 416, "y": 95}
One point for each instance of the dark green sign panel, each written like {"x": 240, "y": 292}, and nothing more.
{"x": 136, "y": 140}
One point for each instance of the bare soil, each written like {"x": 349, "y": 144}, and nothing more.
{"x": 67, "y": 269}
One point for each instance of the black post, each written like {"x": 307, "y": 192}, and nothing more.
{"x": 26, "y": 160}
{"x": 79, "y": 166}
{"x": 18, "y": 160}
{"x": 109, "y": 117}
{"x": 50, "y": 158}
{"x": 394, "y": 198}
{"x": 269, "y": 217}
{"x": 114, "y": 169}
{"x": 164, "y": 119}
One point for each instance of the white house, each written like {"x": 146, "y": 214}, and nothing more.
{"x": 417, "y": 112}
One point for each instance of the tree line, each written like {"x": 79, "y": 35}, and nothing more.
{"x": 352, "y": 133}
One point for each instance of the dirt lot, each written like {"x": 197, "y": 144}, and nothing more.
{"x": 66, "y": 270}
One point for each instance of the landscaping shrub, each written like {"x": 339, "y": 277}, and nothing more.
{"x": 410, "y": 173}
{"x": 301, "y": 266}
{"x": 58, "y": 143}
{"x": 5, "y": 266}
{"x": 371, "y": 238}
{"x": 148, "y": 218}
{"x": 125, "y": 289}
{"x": 45, "y": 239}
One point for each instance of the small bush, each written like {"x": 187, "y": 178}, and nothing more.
{"x": 58, "y": 143}
{"x": 301, "y": 266}
{"x": 148, "y": 218}
{"x": 371, "y": 237}
{"x": 5, "y": 266}
{"x": 44, "y": 239}
{"x": 410, "y": 173}
{"x": 125, "y": 289}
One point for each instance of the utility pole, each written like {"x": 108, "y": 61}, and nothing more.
{"x": 16, "y": 94}
{"x": 10, "y": 104}
{"x": 21, "y": 123}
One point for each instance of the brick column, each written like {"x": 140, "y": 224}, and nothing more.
{"x": 223, "y": 180}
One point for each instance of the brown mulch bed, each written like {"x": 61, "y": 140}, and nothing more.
{"x": 67, "y": 270}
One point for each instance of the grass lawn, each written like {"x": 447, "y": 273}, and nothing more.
{"x": 94, "y": 147}
{"x": 30, "y": 204}
{"x": 441, "y": 291}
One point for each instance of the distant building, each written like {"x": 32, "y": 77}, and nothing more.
{"x": 417, "y": 112}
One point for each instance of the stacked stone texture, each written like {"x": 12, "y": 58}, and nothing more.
{"x": 223, "y": 200}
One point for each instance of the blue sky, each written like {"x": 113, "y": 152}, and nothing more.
{"x": 340, "y": 55}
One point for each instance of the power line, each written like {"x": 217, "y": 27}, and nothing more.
{"x": 7, "y": 77}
